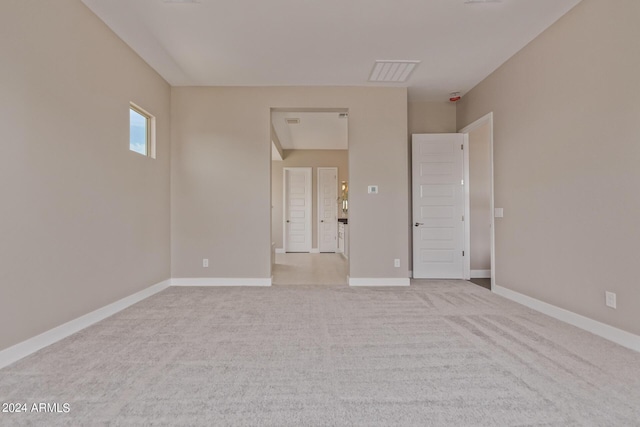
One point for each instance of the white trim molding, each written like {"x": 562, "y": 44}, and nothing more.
{"x": 219, "y": 281}
{"x": 618, "y": 336}
{"x": 314, "y": 251}
{"x": 280, "y": 251}
{"x": 481, "y": 274}
{"x": 466, "y": 172}
{"x": 379, "y": 281}
{"x": 31, "y": 345}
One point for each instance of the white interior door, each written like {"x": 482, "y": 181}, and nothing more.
{"x": 327, "y": 209}
{"x": 297, "y": 209}
{"x": 438, "y": 206}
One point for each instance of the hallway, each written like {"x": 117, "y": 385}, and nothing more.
{"x": 310, "y": 269}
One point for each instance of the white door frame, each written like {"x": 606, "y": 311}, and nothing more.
{"x": 487, "y": 119}
{"x": 285, "y": 198}
{"x": 335, "y": 169}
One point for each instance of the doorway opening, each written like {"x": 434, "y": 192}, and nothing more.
{"x": 309, "y": 197}
{"x": 479, "y": 202}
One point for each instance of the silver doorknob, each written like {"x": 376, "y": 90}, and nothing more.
{"x": 419, "y": 224}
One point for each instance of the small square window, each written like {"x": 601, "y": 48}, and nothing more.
{"x": 141, "y": 132}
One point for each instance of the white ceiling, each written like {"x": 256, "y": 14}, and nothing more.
{"x": 315, "y": 131}
{"x": 327, "y": 42}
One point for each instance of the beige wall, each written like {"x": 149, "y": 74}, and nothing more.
{"x": 431, "y": 117}
{"x": 83, "y": 221}
{"x": 567, "y": 160}
{"x": 480, "y": 197}
{"x": 221, "y": 177}
{"x": 304, "y": 158}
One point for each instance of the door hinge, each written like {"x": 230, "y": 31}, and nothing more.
{"x": 462, "y": 253}
{"x": 463, "y": 217}
{"x": 462, "y": 147}
{"x": 462, "y": 182}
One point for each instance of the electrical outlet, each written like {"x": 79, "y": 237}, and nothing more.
{"x": 205, "y": 262}
{"x": 396, "y": 262}
{"x": 610, "y": 299}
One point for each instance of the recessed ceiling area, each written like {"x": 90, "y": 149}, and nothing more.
{"x": 312, "y": 131}
{"x": 328, "y": 42}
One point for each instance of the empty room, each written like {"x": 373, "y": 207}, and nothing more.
{"x": 480, "y": 209}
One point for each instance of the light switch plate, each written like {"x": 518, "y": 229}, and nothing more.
{"x": 373, "y": 189}
{"x": 499, "y": 212}
{"x": 610, "y": 299}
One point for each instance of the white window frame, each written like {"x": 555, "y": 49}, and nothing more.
{"x": 151, "y": 131}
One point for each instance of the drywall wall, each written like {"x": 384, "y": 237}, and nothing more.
{"x": 480, "y": 197}
{"x": 304, "y": 158}
{"x": 431, "y": 117}
{"x": 221, "y": 177}
{"x": 83, "y": 220}
{"x": 567, "y": 159}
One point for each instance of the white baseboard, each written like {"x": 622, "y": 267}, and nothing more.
{"x": 25, "y": 348}
{"x": 218, "y": 281}
{"x": 379, "y": 281}
{"x": 618, "y": 336}
{"x": 312, "y": 251}
{"x": 481, "y": 274}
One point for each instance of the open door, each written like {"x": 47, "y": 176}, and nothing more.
{"x": 327, "y": 209}
{"x": 438, "y": 206}
{"x": 479, "y": 202}
{"x": 297, "y": 209}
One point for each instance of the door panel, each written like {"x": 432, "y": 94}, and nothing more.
{"x": 297, "y": 190}
{"x": 438, "y": 206}
{"x": 327, "y": 209}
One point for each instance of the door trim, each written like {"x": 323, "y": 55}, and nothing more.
{"x": 309, "y": 210}
{"x": 335, "y": 169}
{"x": 487, "y": 119}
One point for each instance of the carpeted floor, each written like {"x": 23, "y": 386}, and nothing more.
{"x": 439, "y": 353}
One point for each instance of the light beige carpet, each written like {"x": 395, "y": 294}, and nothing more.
{"x": 439, "y": 353}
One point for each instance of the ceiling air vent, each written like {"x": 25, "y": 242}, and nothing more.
{"x": 392, "y": 71}
{"x": 292, "y": 121}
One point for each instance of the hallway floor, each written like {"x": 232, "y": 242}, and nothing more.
{"x": 310, "y": 269}
{"x": 485, "y": 283}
